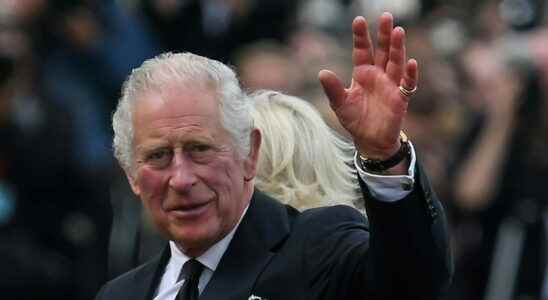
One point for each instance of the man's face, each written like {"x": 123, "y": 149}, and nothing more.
{"x": 187, "y": 171}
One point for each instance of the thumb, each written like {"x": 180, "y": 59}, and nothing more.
{"x": 332, "y": 87}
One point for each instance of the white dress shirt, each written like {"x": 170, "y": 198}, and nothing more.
{"x": 383, "y": 188}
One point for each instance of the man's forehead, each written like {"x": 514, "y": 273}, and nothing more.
{"x": 176, "y": 101}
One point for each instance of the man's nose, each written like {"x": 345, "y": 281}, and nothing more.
{"x": 182, "y": 176}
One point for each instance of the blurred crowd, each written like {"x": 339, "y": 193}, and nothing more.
{"x": 68, "y": 220}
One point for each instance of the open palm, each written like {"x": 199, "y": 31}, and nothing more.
{"x": 372, "y": 109}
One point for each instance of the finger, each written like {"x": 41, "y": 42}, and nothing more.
{"x": 333, "y": 88}
{"x": 411, "y": 75}
{"x": 362, "y": 52}
{"x": 396, "y": 62}
{"x": 386, "y": 24}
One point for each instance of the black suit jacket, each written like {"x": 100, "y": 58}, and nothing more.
{"x": 278, "y": 253}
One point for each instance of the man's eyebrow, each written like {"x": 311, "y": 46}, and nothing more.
{"x": 191, "y": 140}
{"x": 201, "y": 139}
{"x": 151, "y": 147}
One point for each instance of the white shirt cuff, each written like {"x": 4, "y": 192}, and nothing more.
{"x": 389, "y": 188}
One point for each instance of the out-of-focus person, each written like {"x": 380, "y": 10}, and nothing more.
{"x": 54, "y": 224}
{"x": 216, "y": 28}
{"x": 499, "y": 177}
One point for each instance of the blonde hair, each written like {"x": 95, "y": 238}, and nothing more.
{"x": 302, "y": 162}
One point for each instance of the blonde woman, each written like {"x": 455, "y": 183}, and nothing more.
{"x": 302, "y": 161}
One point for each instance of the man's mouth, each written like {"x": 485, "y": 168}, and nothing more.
{"x": 189, "y": 211}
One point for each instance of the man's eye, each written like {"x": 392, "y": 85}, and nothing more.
{"x": 200, "y": 147}
{"x": 157, "y": 155}
{"x": 200, "y": 153}
{"x": 159, "y": 158}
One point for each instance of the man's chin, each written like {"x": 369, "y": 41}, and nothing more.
{"x": 193, "y": 246}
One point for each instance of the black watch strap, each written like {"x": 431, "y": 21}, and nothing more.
{"x": 376, "y": 165}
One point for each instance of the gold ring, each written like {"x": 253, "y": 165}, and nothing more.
{"x": 406, "y": 92}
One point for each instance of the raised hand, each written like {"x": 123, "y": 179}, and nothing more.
{"x": 373, "y": 108}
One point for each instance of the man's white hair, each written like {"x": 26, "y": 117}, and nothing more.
{"x": 302, "y": 162}
{"x": 188, "y": 70}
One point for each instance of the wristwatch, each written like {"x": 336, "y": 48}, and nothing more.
{"x": 376, "y": 165}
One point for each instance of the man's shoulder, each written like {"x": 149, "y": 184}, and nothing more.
{"x": 133, "y": 274}
{"x": 332, "y": 214}
{"x": 329, "y": 220}
{"x": 308, "y": 226}
{"x": 121, "y": 286}
{"x": 267, "y": 206}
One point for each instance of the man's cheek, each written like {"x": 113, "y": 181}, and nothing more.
{"x": 151, "y": 183}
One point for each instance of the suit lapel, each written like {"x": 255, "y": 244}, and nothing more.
{"x": 264, "y": 226}
{"x": 146, "y": 279}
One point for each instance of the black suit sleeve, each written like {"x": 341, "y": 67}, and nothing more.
{"x": 402, "y": 253}
{"x": 409, "y": 255}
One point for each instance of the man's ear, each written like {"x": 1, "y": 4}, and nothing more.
{"x": 133, "y": 182}
{"x": 250, "y": 162}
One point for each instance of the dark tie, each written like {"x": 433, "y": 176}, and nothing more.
{"x": 191, "y": 274}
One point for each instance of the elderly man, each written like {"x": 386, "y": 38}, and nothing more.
{"x": 184, "y": 136}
